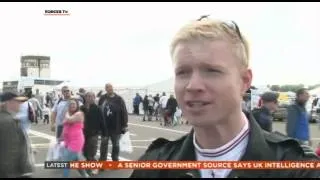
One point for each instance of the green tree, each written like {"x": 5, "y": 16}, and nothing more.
{"x": 275, "y": 87}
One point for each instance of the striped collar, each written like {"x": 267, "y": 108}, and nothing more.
{"x": 225, "y": 148}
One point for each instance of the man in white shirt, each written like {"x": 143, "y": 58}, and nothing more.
{"x": 163, "y": 100}
{"x": 59, "y": 111}
{"x": 163, "y": 104}
{"x": 36, "y": 107}
{"x": 211, "y": 65}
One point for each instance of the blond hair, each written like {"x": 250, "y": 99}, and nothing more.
{"x": 211, "y": 30}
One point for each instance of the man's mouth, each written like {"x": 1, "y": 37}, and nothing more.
{"x": 197, "y": 104}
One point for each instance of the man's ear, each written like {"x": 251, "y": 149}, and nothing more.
{"x": 246, "y": 76}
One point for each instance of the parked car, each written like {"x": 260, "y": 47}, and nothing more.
{"x": 315, "y": 115}
{"x": 282, "y": 113}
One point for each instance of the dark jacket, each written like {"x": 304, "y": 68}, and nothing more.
{"x": 93, "y": 121}
{"x": 156, "y": 99}
{"x": 297, "y": 122}
{"x": 145, "y": 103}
{"x": 264, "y": 118}
{"x": 137, "y": 100}
{"x": 14, "y": 158}
{"x": 172, "y": 105}
{"x": 262, "y": 145}
{"x": 114, "y": 113}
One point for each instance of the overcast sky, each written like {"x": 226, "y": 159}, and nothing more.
{"x": 128, "y": 43}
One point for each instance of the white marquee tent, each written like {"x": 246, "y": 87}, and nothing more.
{"x": 65, "y": 83}
{"x": 166, "y": 86}
{"x": 315, "y": 92}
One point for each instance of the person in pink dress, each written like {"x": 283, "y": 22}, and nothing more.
{"x": 73, "y": 136}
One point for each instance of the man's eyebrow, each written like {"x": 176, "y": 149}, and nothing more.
{"x": 203, "y": 64}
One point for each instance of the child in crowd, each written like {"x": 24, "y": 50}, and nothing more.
{"x": 46, "y": 112}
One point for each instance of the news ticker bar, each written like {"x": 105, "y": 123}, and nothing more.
{"x": 182, "y": 165}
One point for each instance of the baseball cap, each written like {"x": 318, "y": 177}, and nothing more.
{"x": 7, "y": 96}
{"x": 270, "y": 97}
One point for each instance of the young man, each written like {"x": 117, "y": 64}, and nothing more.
{"x": 15, "y": 156}
{"x": 163, "y": 104}
{"x": 156, "y": 106}
{"x": 115, "y": 116}
{"x": 297, "y": 119}
{"x": 136, "y": 104}
{"x": 211, "y": 64}
{"x": 36, "y": 106}
{"x": 59, "y": 111}
{"x": 170, "y": 110}
{"x": 263, "y": 115}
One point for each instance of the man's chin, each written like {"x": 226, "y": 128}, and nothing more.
{"x": 203, "y": 120}
{"x": 199, "y": 122}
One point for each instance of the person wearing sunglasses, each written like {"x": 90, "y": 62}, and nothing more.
{"x": 212, "y": 73}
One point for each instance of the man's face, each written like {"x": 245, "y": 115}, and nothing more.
{"x": 90, "y": 98}
{"x": 209, "y": 83}
{"x": 272, "y": 106}
{"x": 66, "y": 92}
{"x": 304, "y": 97}
{"x": 109, "y": 88}
{"x": 13, "y": 105}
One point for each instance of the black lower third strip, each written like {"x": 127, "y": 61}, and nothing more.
{"x": 56, "y": 165}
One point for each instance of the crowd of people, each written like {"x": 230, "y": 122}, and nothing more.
{"x": 80, "y": 123}
{"x": 77, "y": 121}
{"x": 165, "y": 109}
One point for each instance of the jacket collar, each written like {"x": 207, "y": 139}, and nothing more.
{"x": 257, "y": 149}
{"x": 186, "y": 153}
{"x": 266, "y": 110}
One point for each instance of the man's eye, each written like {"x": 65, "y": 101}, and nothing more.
{"x": 181, "y": 72}
{"x": 212, "y": 70}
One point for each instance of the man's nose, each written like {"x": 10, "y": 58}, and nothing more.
{"x": 195, "y": 83}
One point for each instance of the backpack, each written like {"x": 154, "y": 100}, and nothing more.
{"x": 31, "y": 115}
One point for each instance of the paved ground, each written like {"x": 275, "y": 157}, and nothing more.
{"x": 142, "y": 133}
